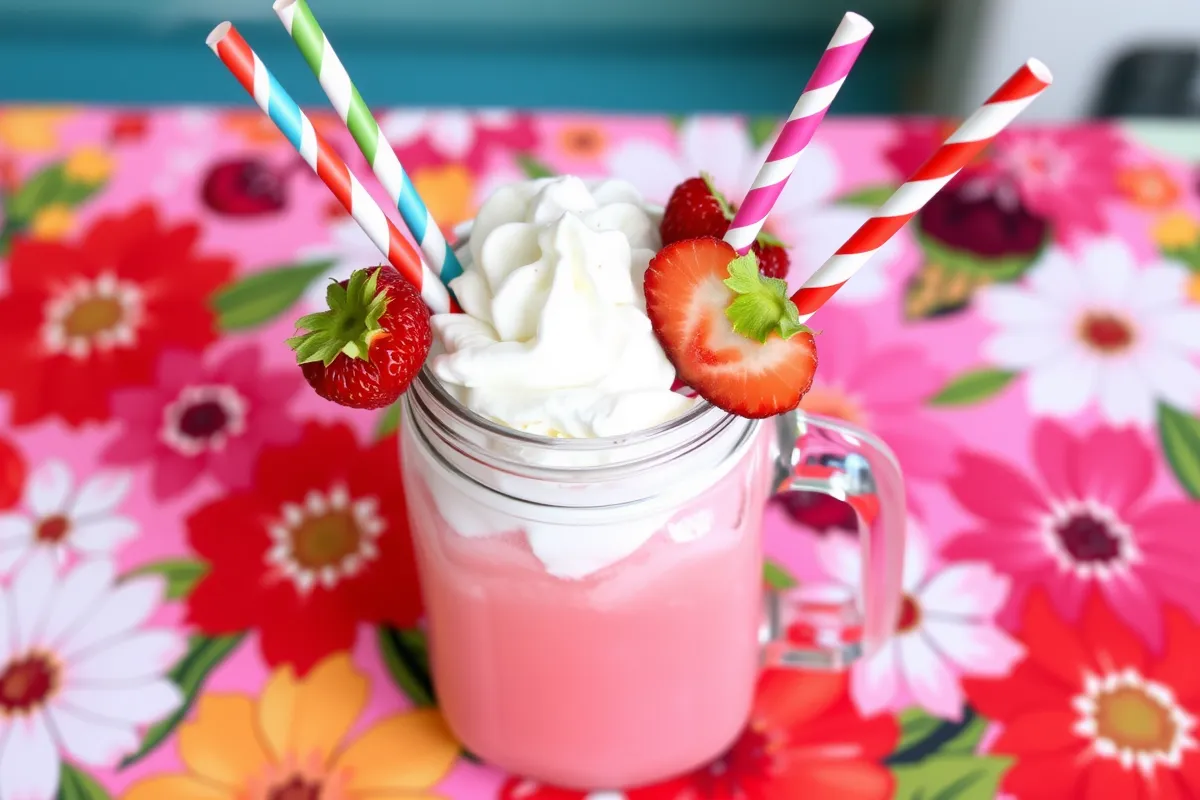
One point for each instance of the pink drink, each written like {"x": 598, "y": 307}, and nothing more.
{"x": 633, "y": 673}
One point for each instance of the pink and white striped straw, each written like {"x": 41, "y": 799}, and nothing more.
{"x": 843, "y": 50}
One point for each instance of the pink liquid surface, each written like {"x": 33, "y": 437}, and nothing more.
{"x": 633, "y": 674}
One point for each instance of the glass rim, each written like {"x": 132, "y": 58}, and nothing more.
{"x": 432, "y": 385}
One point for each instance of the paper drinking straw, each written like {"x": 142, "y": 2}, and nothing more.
{"x": 298, "y": 18}
{"x": 959, "y": 150}
{"x": 835, "y": 64}
{"x": 250, "y": 71}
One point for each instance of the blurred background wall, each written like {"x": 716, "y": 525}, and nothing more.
{"x": 633, "y": 55}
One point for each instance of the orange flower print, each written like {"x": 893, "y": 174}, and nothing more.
{"x": 293, "y": 741}
{"x": 1148, "y": 186}
{"x": 448, "y": 191}
{"x": 582, "y": 141}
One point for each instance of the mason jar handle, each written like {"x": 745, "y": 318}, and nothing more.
{"x": 809, "y": 628}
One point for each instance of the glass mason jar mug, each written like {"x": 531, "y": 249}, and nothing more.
{"x": 596, "y": 606}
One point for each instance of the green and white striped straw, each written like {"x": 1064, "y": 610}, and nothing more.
{"x": 298, "y": 18}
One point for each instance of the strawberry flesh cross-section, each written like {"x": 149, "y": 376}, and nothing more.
{"x": 732, "y": 334}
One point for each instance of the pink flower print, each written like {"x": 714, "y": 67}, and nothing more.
{"x": 881, "y": 387}
{"x": 423, "y": 138}
{"x": 946, "y": 629}
{"x": 202, "y": 418}
{"x": 1083, "y": 521}
{"x": 1066, "y": 176}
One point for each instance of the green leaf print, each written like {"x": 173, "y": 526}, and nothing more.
{"x": 76, "y": 785}
{"x": 869, "y": 196}
{"x": 972, "y": 387}
{"x": 922, "y": 734}
{"x": 263, "y": 296}
{"x": 1179, "y": 433}
{"x": 406, "y": 656}
{"x": 950, "y": 777}
{"x": 389, "y": 421}
{"x": 204, "y": 654}
{"x": 533, "y": 168}
{"x": 181, "y": 575}
{"x": 777, "y": 577}
{"x": 762, "y": 130}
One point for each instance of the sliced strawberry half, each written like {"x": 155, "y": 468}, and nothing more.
{"x": 733, "y": 335}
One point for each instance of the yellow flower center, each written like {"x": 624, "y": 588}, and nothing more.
{"x": 326, "y": 539}
{"x": 92, "y": 316}
{"x": 1178, "y": 230}
{"x": 1134, "y": 721}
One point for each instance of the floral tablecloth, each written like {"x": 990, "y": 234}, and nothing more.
{"x": 185, "y": 614}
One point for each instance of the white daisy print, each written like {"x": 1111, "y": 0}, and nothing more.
{"x": 62, "y": 517}
{"x": 1097, "y": 329}
{"x": 945, "y": 631}
{"x": 453, "y": 131}
{"x": 80, "y": 677}
{"x": 804, "y": 216}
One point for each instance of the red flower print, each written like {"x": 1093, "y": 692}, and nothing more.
{"x": 319, "y": 545}
{"x": 804, "y": 740}
{"x": 82, "y": 319}
{"x": 204, "y": 418}
{"x": 13, "y": 471}
{"x": 1089, "y": 714}
{"x": 1084, "y": 521}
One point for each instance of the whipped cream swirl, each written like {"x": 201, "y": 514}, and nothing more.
{"x": 555, "y": 339}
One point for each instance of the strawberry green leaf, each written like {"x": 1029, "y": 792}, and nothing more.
{"x": 259, "y": 298}
{"x": 762, "y": 305}
{"x": 1180, "y": 436}
{"x": 533, "y": 168}
{"x": 349, "y": 325}
{"x": 972, "y": 387}
{"x": 726, "y": 209}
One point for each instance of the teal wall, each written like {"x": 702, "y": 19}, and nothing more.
{"x": 630, "y": 55}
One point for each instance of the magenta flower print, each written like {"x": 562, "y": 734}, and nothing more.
{"x": 1083, "y": 521}
{"x": 1065, "y": 175}
{"x": 204, "y": 418}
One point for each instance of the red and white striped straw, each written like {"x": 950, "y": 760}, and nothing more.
{"x": 276, "y": 103}
{"x": 839, "y": 56}
{"x": 959, "y": 150}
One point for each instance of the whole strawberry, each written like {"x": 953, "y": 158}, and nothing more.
{"x": 367, "y": 348}
{"x": 697, "y": 209}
